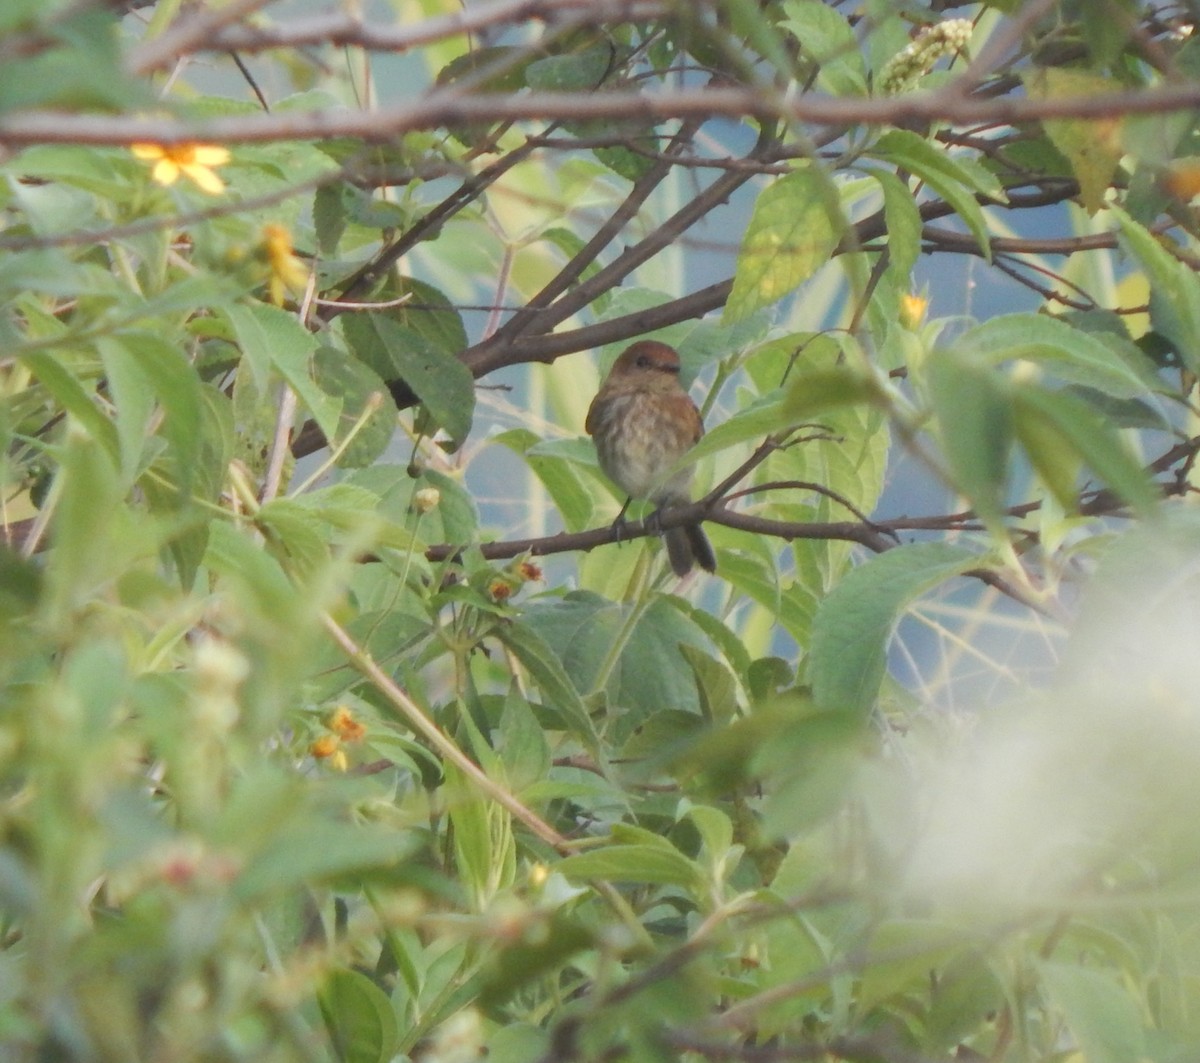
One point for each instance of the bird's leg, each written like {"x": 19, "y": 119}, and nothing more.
{"x": 619, "y": 523}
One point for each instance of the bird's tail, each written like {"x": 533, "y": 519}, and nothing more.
{"x": 688, "y": 546}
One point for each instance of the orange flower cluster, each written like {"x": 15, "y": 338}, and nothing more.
{"x": 344, "y": 728}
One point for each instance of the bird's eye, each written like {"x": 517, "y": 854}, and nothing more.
{"x": 643, "y": 361}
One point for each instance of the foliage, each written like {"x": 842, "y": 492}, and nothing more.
{"x": 303, "y": 757}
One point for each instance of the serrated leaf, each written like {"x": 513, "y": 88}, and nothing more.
{"x": 1093, "y": 147}
{"x": 796, "y": 225}
{"x": 848, "y": 655}
{"x": 440, "y": 381}
{"x": 956, "y": 184}
{"x": 1097, "y": 360}
{"x": 1099, "y": 447}
{"x": 828, "y": 39}
{"x": 903, "y": 220}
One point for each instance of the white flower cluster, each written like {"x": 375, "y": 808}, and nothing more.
{"x": 905, "y": 69}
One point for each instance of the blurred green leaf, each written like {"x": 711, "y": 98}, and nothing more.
{"x": 1174, "y": 289}
{"x": 367, "y": 407}
{"x": 973, "y": 408}
{"x": 1084, "y": 432}
{"x": 848, "y": 655}
{"x": 1102, "y": 1016}
{"x": 359, "y": 1017}
{"x": 651, "y": 863}
{"x": 271, "y": 338}
{"x": 1103, "y": 361}
{"x": 1093, "y": 148}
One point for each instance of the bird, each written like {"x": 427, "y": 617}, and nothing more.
{"x": 642, "y": 422}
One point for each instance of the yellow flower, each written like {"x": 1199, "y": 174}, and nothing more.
{"x": 323, "y": 747}
{"x": 912, "y": 310}
{"x": 194, "y": 161}
{"x": 345, "y": 726}
{"x": 284, "y": 269}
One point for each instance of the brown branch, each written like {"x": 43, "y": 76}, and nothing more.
{"x": 189, "y": 32}
{"x": 446, "y": 107}
{"x": 604, "y": 235}
{"x": 347, "y": 30}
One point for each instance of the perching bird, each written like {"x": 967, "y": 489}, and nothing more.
{"x": 643, "y": 422}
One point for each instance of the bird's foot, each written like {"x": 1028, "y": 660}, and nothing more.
{"x": 618, "y": 525}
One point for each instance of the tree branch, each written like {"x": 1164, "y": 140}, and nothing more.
{"x": 447, "y": 107}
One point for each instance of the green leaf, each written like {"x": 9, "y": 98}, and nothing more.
{"x": 1174, "y": 290}
{"x": 439, "y": 380}
{"x": 70, "y": 394}
{"x": 828, "y": 39}
{"x": 901, "y": 956}
{"x": 757, "y": 420}
{"x": 89, "y": 502}
{"x": 974, "y": 419}
{"x": 817, "y": 391}
{"x": 231, "y": 552}
{"x": 134, "y": 400}
{"x": 329, "y": 218}
{"x": 649, "y": 674}
{"x": 796, "y": 225}
{"x": 177, "y": 387}
{"x": 1086, "y": 433}
{"x": 313, "y": 850}
{"x": 848, "y": 656}
{"x": 367, "y": 407}
{"x": 1093, "y": 147}
{"x": 430, "y": 313}
{"x": 271, "y": 338}
{"x": 1100, "y": 360}
{"x": 651, "y": 863}
{"x": 359, "y": 1017}
{"x": 547, "y": 671}
{"x": 295, "y": 537}
{"x": 955, "y": 183}
{"x": 582, "y": 70}
{"x": 1104, "y": 1019}
{"x": 556, "y": 464}
{"x": 523, "y": 750}
{"x": 903, "y": 219}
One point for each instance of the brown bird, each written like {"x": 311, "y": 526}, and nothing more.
{"x": 643, "y": 422}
